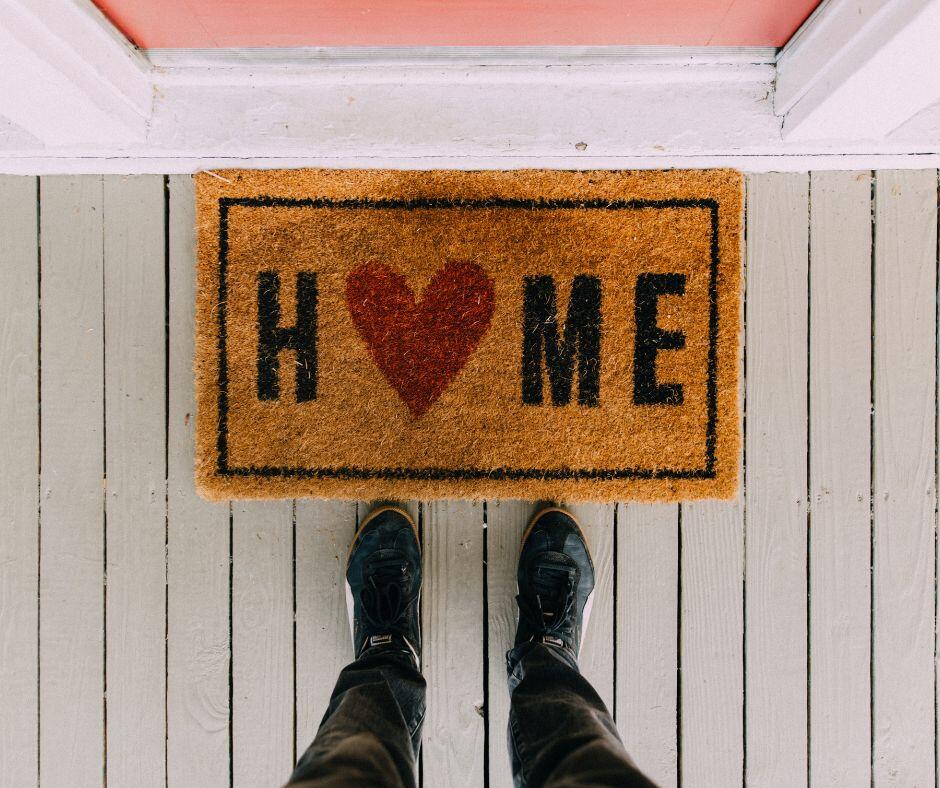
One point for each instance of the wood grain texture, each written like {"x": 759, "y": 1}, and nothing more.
{"x": 71, "y": 579}
{"x": 135, "y": 505}
{"x": 597, "y": 645}
{"x": 103, "y": 365}
{"x": 262, "y": 642}
{"x": 647, "y": 638}
{"x": 776, "y": 482}
{"x": 19, "y": 495}
{"x": 452, "y": 658}
{"x": 198, "y": 547}
{"x": 506, "y": 522}
{"x": 840, "y": 478}
{"x": 712, "y": 644}
{"x": 904, "y": 485}
{"x": 711, "y": 636}
{"x": 323, "y": 531}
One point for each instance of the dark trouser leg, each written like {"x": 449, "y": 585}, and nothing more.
{"x": 560, "y": 732}
{"x": 371, "y": 732}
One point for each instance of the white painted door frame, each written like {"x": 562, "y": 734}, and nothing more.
{"x": 857, "y": 87}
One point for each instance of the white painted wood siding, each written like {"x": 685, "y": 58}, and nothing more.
{"x": 198, "y": 547}
{"x": 19, "y": 494}
{"x": 72, "y": 485}
{"x": 840, "y": 479}
{"x": 904, "y": 484}
{"x": 761, "y": 641}
{"x": 135, "y": 468}
{"x": 775, "y": 479}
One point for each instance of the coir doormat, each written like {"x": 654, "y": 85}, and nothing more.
{"x": 536, "y": 334}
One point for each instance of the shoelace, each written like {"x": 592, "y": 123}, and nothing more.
{"x": 554, "y": 615}
{"x": 383, "y": 599}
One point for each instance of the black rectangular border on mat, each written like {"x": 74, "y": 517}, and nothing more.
{"x": 603, "y": 474}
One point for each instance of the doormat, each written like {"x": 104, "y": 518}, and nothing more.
{"x": 525, "y": 334}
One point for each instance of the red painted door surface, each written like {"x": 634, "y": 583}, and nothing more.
{"x": 295, "y": 23}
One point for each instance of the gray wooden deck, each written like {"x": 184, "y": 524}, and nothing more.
{"x": 149, "y": 638}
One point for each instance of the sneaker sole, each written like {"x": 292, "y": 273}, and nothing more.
{"x": 350, "y": 603}
{"x": 589, "y": 604}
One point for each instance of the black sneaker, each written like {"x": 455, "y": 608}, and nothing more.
{"x": 556, "y": 582}
{"x": 383, "y": 583}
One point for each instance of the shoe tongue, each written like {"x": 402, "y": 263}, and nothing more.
{"x": 385, "y": 595}
{"x": 386, "y": 602}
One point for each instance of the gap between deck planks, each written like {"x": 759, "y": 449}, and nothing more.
{"x": 765, "y": 640}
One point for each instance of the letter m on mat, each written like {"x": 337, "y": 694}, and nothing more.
{"x": 578, "y": 339}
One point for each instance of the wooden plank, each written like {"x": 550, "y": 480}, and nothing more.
{"x": 777, "y": 231}
{"x": 597, "y": 646}
{"x": 19, "y": 497}
{"x": 262, "y": 642}
{"x": 647, "y": 638}
{"x": 904, "y": 488}
{"x": 71, "y": 584}
{"x": 323, "y": 531}
{"x": 712, "y": 644}
{"x": 198, "y": 547}
{"x": 840, "y": 478}
{"x": 452, "y": 620}
{"x": 506, "y": 522}
{"x": 711, "y": 638}
{"x": 135, "y": 505}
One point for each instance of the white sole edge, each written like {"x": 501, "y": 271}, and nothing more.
{"x": 350, "y": 607}
{"x": 585, "y": 618}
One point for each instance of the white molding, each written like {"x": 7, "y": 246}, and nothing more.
{"x": 67, "y": 76}
{"x": 457, "y": 111}
{"x": 81, "y": 99}
{"x": 250, "y": 58}
{"x": 859, "y": 69}
{"x": 410, "y": 76}
{"x": 791, "y": 162}
{"x": 802, "y": 60}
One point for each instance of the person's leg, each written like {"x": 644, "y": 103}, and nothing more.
{"x": 560, "y": 732}
{"x": 371, "y": 733}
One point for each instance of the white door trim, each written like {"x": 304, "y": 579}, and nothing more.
{"x": 81, "y": 98}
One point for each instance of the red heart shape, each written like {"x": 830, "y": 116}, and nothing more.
{"x": 420, "y": 346}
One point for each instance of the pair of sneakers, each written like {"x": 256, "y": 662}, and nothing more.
{"x": 383, "y": 583}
